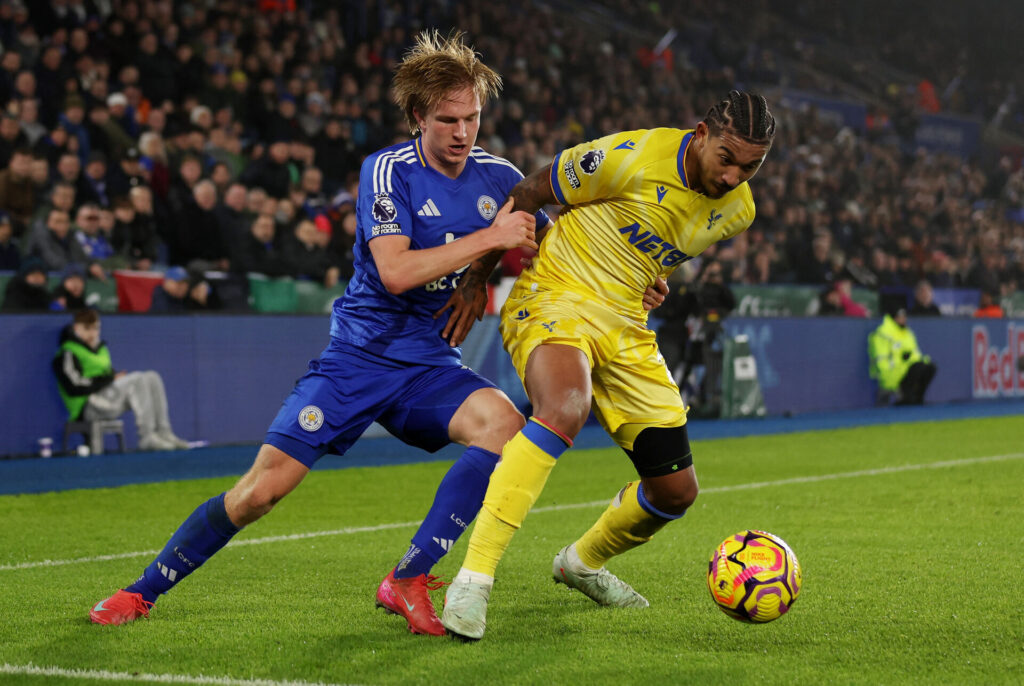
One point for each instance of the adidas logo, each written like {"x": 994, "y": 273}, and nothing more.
{"x": 429, "y": 209}
{"x": 445, "y": 543}
{"x": 171, "y": 574}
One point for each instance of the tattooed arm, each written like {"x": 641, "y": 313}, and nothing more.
{"x": 470, "y": 299}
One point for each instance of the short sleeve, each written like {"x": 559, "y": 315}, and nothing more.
{"x": 583, "y": 173}
{"x": 383, "y": 205}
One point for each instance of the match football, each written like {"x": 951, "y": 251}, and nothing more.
{"x": 754, "y": 576}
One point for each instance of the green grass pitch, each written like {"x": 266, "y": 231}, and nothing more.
{"x": 909, "y": 536}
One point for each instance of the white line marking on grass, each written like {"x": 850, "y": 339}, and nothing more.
{"x": 102, "y": 674}
{"x": 548, "y": 508}
{"x": 247, "y": 541}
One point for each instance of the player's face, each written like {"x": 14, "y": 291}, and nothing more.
{"x": 449, "y": 131}
{"x": 725, "y": 161}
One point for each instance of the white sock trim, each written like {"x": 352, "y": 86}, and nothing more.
{"x": 576, "y": 562}
{"x": 466, "y": 575}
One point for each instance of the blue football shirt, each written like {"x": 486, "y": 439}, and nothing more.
{"x": 400, "y": 194}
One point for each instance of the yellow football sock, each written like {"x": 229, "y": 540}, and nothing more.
{"x": 624, "y": 525}
{"x": 515, "y": 484}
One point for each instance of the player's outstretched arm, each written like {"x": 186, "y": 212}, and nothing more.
{"x": 469, "y": 300}
{"x": 402, "y": 268}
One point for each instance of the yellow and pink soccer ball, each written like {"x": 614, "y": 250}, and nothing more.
{"x": 754, "y": 576}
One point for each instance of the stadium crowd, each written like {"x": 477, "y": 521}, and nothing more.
{"x": 227, "y": 136}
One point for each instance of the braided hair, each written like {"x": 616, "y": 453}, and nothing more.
{"x": 744, "y": 114}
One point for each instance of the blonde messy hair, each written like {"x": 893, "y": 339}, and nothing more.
{"x": 434, "y": 67}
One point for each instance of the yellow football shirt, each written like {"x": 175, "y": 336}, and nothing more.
{"x": 630, "y": 216}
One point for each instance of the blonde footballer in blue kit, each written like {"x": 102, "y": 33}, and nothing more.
{"x": 637, "y": 204}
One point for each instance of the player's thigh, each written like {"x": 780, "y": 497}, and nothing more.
{"x": 422, "y": 414}
{"x": 552, "y": 338}
{"x": 558, "y": 383}
{"x": 487, "y": 418}
{"x": 332, "y": 405}
{"x": 635, "y": 390}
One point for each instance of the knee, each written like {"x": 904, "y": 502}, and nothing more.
{"x": 251, "y": 499}
{"x": 674, "y": 499}
{"x": 505, "y": 424}
{"x": 568, "y": 416}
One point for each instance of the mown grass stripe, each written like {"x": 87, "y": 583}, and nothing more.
{"x": 879, "y": 471}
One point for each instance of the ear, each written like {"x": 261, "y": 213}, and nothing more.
{"x": 421, "y": 120}
{"x": 701, "y": 133}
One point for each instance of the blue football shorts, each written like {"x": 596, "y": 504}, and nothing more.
{"x": 345, "y": 390}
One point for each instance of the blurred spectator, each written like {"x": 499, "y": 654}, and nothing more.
{"x": 232, "y": 215}
{"x": 17, "y": 196}
{"x": 28, "y": 118}
{"x": 258, "y": 252}
{"x": 10, "y": 249}
{"x": 62, "y": 197}
{"x": 54, "y": 244}
{"x": 336, "y": 154}
{"x": 92, "y": 389}
{"x": 816, "y": 266}
{"x": 924, "y": 301}
{"x": 11, "y": 137}
{"x": 135, "y": 235}
{"x": 170, "y": 296}
{"x": 94, "y": 184}
{"x": 201, "y": 242}
{"x": 153, "y": 159}
{"x": 27, "y": 291}
{"x": 70, "y": 292}
{"x": 271, "y": 171}
{"x": 903, "y": 373}
{"x": 988, "y": 305}
{"x": 202, "y": 296}
{"x": 88, "y": 232}
{"x": 127, "y": 174}
{"x": 306, "y": 253}
{"x": 837, "y": 300}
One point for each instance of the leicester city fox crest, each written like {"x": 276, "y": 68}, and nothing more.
{"x": 487, "y": 207}
{"x": 383, "y": 208}
{"x": 591, "y": 161}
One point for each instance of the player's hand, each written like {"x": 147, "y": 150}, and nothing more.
{"x": 514, "y": 229}
{"x": 654, "y": 296}
{"x": 467, "y": 304}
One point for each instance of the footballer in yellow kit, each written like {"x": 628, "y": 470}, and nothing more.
{"x": 636, "y": 205}
{"x": 586, "y": 285}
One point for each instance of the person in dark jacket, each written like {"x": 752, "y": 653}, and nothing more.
{"x": 91, "y": 389}
{"x": 258, "y": 252}
{"x": 70, "y": 292}
{"x": 27, "y": 292}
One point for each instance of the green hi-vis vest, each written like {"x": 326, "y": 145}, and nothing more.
{"x": 886, "y": 347}
{"x": 94, "y": 363}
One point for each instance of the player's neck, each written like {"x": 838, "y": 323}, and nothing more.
{"x": 691, "y": 169}
{"x": 450, "y": 169}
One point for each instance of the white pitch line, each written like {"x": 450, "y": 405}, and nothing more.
{"x": 548, "y": 508}
{"x": 104, "y": 675}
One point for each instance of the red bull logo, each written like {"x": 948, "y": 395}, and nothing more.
{"x": 997, "y": 371}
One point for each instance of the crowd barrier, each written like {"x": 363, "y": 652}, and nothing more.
{"x": 227, "y": 375}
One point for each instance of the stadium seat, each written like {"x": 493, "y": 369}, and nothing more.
{"x": 93, "y": 433}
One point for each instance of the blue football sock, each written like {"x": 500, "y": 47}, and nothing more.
{"x": 206, "y": 531}
{"x": 455, "y": 505}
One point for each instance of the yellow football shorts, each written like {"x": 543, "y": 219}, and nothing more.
{"x": 632, "y": 386}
